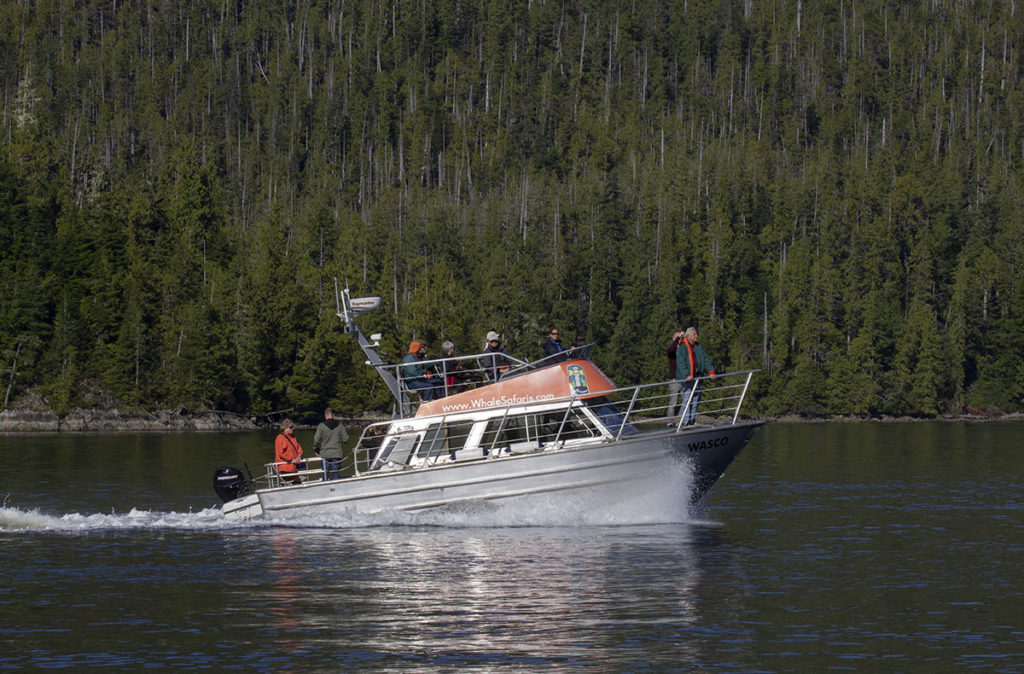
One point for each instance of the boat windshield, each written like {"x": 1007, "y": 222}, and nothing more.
{"x": 610, "y": 416}
{"x": 574, "y": 353}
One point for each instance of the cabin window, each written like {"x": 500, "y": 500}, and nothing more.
{"x": 536, "y": 430}
{"x": 610, "y": 416}
{"x": 441, "y": 439}
{"x": 577, "y": 425}
{"x": 397, "y": 450}
{"x": 504, "y": 432}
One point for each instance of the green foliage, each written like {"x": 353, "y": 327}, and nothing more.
{"x": 831, "y": 193}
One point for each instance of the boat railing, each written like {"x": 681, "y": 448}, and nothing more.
{"x": 518, "y": 428}
{"x": 717, "y": 399}
{"x": 453, "y": 374}
{"x": 311, "y": 469}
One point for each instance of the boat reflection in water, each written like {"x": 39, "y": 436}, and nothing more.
{"x": 427, "y": 588}
{"x": 554, "y": 426}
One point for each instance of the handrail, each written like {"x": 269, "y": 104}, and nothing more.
{"x": 629, "y": 410}
{"x": 692, "y": 391}
{"x": 449, "y": 366}
{"x": 501, "y": 427}
{"x": 743, "y": 395}
{"x": 273, "y": 476}
{"x": 565, "y": 417}
{"x": 646, "y": 408}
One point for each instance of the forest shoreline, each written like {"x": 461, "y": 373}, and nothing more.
{"x": 832, "y": 195}
{"x": 183, "y": 420}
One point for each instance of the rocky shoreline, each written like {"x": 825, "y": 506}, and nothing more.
{"x": 112, "y": 421}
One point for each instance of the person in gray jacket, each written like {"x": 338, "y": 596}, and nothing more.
{"x": 328, "y": 442}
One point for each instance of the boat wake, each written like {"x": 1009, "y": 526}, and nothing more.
{"x": 660, "y": 499}
{"x": 16, "y": 519}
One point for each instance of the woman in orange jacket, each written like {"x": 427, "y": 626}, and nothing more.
{"x": 287, "y": 452}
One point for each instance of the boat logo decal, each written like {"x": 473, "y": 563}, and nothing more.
{"x": 577, "y": 379}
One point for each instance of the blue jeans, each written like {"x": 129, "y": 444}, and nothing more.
{"x": 428, "y": 390}
{"x": 691, "y": 410}
{"x": 332, "y": 469}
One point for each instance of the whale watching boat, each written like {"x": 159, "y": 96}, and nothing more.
{"x": 507, "y": 429}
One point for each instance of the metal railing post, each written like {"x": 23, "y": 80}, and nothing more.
{"x": 625, "y": 417}
{"x": 565, "y": 417}
{"x": 743, "y": 395}
{"x": 501, "y": 427}
{"x": 686, "y": 406}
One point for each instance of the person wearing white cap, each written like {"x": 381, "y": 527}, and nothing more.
{"x": 497, "y": 364}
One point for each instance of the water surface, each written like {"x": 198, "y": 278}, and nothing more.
{"x": 865, "y": 547}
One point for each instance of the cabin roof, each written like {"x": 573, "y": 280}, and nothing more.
{"x": 559, "y": 380}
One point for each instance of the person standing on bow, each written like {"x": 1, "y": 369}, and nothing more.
{"x": 675, "y": 387}
{"x": 418, "y": 377}
{"x": 288, "y": 453}
{"x": 553, "y": 344}
{"x": 691, "y": 362}
{"x": 328, "y": 444}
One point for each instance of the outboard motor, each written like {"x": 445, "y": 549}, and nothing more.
{"x": 230, "y": 483}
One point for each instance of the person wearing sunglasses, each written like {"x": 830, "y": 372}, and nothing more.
{"x": 553, "y": 344}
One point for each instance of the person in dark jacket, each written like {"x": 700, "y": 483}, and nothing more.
{"x": 675, "y": 387}
{"x": 457, "y": 376}
{"x": 328, "y": 444}
{"x": 553, "y": 344}
{"x": 499, "y": 363}
{"x": 692, "y": 362}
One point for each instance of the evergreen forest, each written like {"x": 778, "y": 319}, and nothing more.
{"x": 832, "y": 192}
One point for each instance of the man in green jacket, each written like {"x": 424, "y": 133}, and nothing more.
{"x": 692, "y": 362}
{"x": 328, "y": 443}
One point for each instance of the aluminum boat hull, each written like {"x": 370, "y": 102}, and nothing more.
{"x": 593, "y": 466}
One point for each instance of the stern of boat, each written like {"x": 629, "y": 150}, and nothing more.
{"x": 244, "y": 508}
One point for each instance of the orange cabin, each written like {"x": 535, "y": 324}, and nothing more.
{"x": 562, "y": 380}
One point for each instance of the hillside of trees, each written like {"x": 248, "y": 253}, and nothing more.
{"x": 831, "y": 191}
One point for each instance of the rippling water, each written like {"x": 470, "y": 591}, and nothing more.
{"x": 827, "y": 546}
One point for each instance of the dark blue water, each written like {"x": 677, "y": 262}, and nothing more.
{"x": 863, "y": 547}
